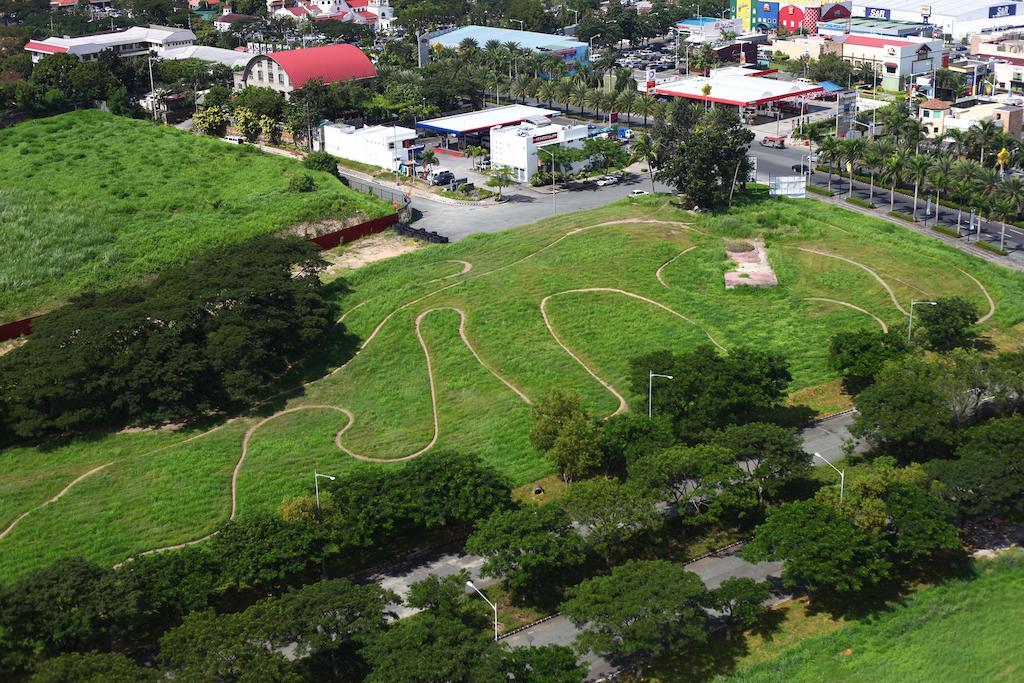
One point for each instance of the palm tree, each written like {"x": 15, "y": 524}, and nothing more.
{"x": 548, "y": 91}
{"x": 644, "y": 106}
{"x": 429, "y": 160}
{"x": 468, "y": 47}
{"x": 958, "y": 138}
{"x": 964, "y": 172}
{"x": 986, "y": 183}
{"x": 595, "y": 99}
{"x": 939, "y": 176}
{"x": 982, "y": 135}
{"x": 624, "y": 102}
{"x": 829, "y": 151}
{"x": 1011, "y": 193}
{"x": 565, "y": 92}
{"x": 643, "y": 150}
{"x": 893, "y": 170}
{"x": 852, "y": 151}
{"x": 918, "y": 168}
{"x": 872, "y": 160}
{"x": 579, "y": 95}
{"x": 913, "y": 132}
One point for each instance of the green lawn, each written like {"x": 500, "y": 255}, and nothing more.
{"x": 962, "y": 630}
{"x": 181, "y": 492}
{"x": 89, "y": 200}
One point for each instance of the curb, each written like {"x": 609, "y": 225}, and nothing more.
{"x": 823, "y": 418}
{"x": 527, "y": 627}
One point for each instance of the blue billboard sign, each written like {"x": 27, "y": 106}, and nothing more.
{"x": 876, "y": 13}
{"x": 1000, "y": 11}
{"x": 767, "y": 12}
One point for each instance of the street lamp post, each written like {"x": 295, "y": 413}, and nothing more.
{"x": 316, "y": 487}
{"x": 842, "y": 476}
{"x": 591, "y": 41}
{"x": 650, "y": 391}
{"x": 910, "y": 325}
{"x": 554, "y": 207}
{"x": 494, "y": 606}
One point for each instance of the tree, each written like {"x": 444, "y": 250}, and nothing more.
{"x": 533, "y": 549}
{"x": 93, "y": 668}
{"x": 710, "y": 389}
{"x": 447, "y": 489}
{"x": 819, "y": 547}
{"x": 322, "y": 161}
{"x": 501, "y": 177}
{"x": 248, "y": 123}
{"x": 741, "y": 601}
{"x": 551, "y": 414}
{"x": 643, "y": 150}
{"x": 211, "y": 120}
{"x": 613, "y": 514}
{"x": 946, "y": 325}
{"x": 893, "y": 170}
{"x": 770, "y": 455}
{"x": 628, "y": 437}
{"x": 904, "y": 413}
{"x": 576, "y": 451}
{"x": 429, "y": 159}
{"x": 858, "y": 355}
{"x": 266, "y": 550}
{"x": 543, "y": 664}
{"x": 643, "y": 609}
{"x": 918, "y": 167}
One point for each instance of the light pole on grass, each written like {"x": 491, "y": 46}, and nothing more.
{"x": 316, "y": 487}
{"x": 554, "y": 208}
{"x": 494, "y": 606}
{"x": 910, "y": 324}
{"x": 650, "y": 391}
{"x": 842, "y": 476}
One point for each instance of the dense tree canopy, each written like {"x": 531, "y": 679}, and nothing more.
{"x": 858, "y": 356}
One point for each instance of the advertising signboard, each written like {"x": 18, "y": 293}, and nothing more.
{"x": 794, "y": 186}
{"x": 1000, "y": 11}
{"x": 846, "y": 112}
{"x": 876, "y": 13}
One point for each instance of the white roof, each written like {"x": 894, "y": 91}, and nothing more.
{"x": 375, "y": 132}
{"x": 939, "y": 7}
{"x": 229, "y": 58}
{"x": 736, "y": 90}
{"x": 134, "y": 34}
{"x": 486, "y": 118}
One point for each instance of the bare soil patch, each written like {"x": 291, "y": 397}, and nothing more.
{"x": 368, "y": 250}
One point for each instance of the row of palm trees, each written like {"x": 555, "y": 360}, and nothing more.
{"x": 945, "y": 173}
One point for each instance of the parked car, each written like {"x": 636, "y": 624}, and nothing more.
{"x": 637, "y": 193}
{"x": 802, "y": 169}
{"x": 607, "y": 180}
{"x": 812, "y": 158}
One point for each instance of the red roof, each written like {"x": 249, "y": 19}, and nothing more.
{"x": 869, "y": 41}
{"x": 36, "y": 46}
{"x": 231, "y": 18}
{"x": 329, "y": 63}
{"x": 358, "y": 3}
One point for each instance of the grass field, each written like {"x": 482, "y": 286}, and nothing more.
{"x": 89, "y": 200}
{"x": 408, "y": 313}
{"x": 961, "y": 630}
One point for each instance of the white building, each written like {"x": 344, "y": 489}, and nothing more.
{"x": 955, "y": 18}
{"x": 131, "y": 42}
{"x": 518, "y": 146}
{"x": 376, "y": 13}
{"x": 389, "y": 147}
{"x": 895, "y": 60}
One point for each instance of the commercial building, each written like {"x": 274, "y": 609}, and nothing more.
{"x": 228, "y": 19}
{"x": 475, "y": 127}
{"x": 571, "y": 51}
{"x": 954, "y": 18}
{"x": 730, "y": 87}
{"x": 390, "y": 147}
{"x": 131, "y": 42}
{"x": 940, "y": 117}
{"x": 812, "y": 47}
{"x": 880, "y": 27}
{"x": 896, "y": 61}
{"x": 522, "y": 147}
{"x": 1005, "y": 47}
{"x": 791, "y": 15}
{"x": 218, "y": 55}
{"x": 707, "y": 29}
{"x": 290, "y": 69}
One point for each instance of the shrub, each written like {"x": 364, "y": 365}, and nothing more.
{"x": 823, "y": 191}
{"x": 301, "y": 183}
{"x": 949, "y": 232}
{"x": 321, "y": 161}
{"x": 903, "y": 216}
{"x": 990, "y": 247}
{"x": 863, "y": 203}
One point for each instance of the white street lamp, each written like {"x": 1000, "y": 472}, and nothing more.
{"x": 591, "y": 41}
{"x": 493, "y": 606}
{"x": 316, "y": 487}
{"x": 842, "y": 476}
{"x": 910, "y": 325}
{"x": 518, "y": 21}
{"x": 650, "y": 391}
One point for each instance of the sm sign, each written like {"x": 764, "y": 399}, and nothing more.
{"x": 876, "y": 13}
{"x": 1000, "y": 11}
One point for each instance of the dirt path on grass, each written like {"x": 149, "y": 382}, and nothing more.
{"x": 466, "y": 267}
{"x": 623, "y": 406}
{"x": 657, "y": 273}
{"x": 991, "y": 301}
{"x": 892, "y": 294}
{"x": 76, "y": 480}
{"x": 885, "y": 328}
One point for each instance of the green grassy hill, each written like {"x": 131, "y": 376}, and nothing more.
{"x": 962, "y": 630}
{"x": 89, "y": 200}
{"x": 611, "y": 283}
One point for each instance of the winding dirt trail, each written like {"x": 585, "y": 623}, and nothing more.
{"x": 623, "y": 406}
{"x": 885, "y": 328}
{"x": 892, "y": 294}
{"x": 466, "y": 267}
{"x": 54, "y": 499}
{"x": 657, "y": 273}
{"x": 991, "y": 301}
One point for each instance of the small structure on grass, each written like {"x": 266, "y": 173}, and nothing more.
{"x": 752, "y": 267}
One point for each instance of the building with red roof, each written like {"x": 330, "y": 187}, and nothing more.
{"x": 376, "y": 13}
{"x": 290, "y": 69}
{"x": 896, "y": 61}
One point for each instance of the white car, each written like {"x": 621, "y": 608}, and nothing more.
{"x": 638, "y": 193}
{"x": 607, "y": 180}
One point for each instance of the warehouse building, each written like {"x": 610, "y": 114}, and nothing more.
{"x": 571, "y": 51}
{"x": 954, "y": 18}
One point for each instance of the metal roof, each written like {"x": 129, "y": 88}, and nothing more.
{"x": 741, "y": 91}
{"x": 485, "y": 119}
{"x": 525, "y": 39}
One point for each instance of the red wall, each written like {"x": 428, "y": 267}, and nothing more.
{"x": 329, "y": 241}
